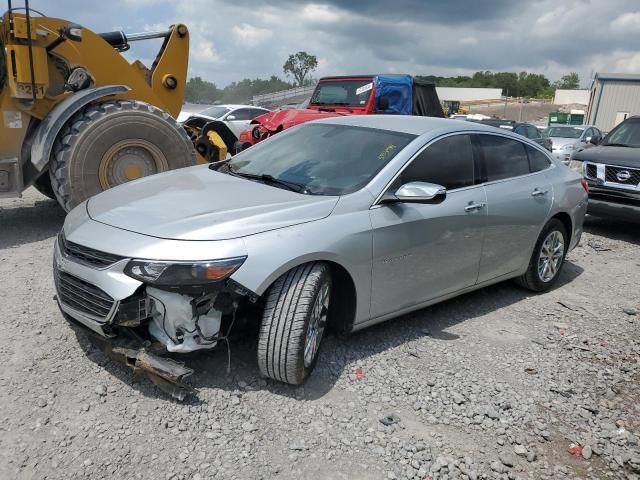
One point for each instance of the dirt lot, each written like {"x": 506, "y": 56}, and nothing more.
{"x": 534, "y": 112}
{"x": 495, "y": 384}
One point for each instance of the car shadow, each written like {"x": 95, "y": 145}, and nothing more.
{"x": 30, "y": 223}
{"x": 233, "y": 367}
{"x": 613, "y": 229}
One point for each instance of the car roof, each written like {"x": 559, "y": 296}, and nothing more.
{"x": 411, "y": 124}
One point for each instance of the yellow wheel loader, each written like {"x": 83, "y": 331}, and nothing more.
{"x": 77, "y": 118}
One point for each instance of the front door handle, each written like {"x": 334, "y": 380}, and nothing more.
{"x": 472, "y": 207}
{"x": 539, "y": 193}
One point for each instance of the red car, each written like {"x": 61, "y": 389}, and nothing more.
{"x": 351, "y": 95}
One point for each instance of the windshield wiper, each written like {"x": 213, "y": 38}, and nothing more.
{"x": 266, "y": 178}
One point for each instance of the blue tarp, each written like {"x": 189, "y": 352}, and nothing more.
{"x": 398, "y": 89}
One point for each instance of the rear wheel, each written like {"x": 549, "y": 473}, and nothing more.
{"x": 547, "y": 259}
{"x": 108, "y": 144}
{"x": 294, "y": 322}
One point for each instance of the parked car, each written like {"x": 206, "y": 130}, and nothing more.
{"x": 525, "y": 129}
{"x": 612, "y": 170}
{"x": 236, "y": 117}
{"x": 568, "y": 138}
{"x": 341, "y": 224}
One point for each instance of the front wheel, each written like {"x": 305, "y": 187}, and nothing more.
{"x": 547, "y": 259}
{"x": 111, "y": 143}
{"x": 294, "y": 322}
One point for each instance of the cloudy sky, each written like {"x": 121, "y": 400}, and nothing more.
{"x": 235, "y": 39}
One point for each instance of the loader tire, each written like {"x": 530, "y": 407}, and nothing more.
{"x": 108, "y": 144}
{"x": 43, "y": 185}
{"x": 293, "y": 321}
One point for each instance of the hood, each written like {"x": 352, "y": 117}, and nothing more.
{"x": 199, "y": 204}
{"x": 622, "y": 156}
{"x": 559, "y": 142}
{"x": 288, "y": 118}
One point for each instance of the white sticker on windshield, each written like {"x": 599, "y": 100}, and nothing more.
{"x": 364, "y": 88}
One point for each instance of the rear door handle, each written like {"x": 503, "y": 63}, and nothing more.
{"x": 538, "y": 193}
{"x": 472, "y": 207}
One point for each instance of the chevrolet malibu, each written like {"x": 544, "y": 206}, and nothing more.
{"x": 336, "y": 224}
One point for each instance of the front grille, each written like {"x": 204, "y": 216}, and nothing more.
{"x": 611, "y": 175}
{"x": 83, "y": 296}
{"x": 591, "y": 171}
{"x": 85, "y": 255}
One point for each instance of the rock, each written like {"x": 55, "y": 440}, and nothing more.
{"x": 249, "y": 427}
{"x": 457, "y": 398}
{"x": 390, "y": 419}
{"x": 498, "y": 467}
{"x": 101, "y": 390}
{"x": 531, "y": 457}
{"x": 520, "y": 450}
{"x": 41, "y": 402}
{"x": 506, "y": 459}
{"x": 630, "y": 311}
{"x": 587, "y": 452}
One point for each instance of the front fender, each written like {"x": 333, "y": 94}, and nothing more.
{"x": 48, "y": 130}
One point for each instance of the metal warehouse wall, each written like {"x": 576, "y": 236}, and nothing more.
{"x": 568, "y": 97}
{"x": 610, "y": 99}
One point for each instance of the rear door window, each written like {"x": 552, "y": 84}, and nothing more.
{"x": 447, "y": 162}
{"x": 242, "y": 114}
{"x": 503, "y": 157}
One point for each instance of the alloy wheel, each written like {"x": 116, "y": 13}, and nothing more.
{"x": 551, "y": 256}
{"x": 317, "y": 324}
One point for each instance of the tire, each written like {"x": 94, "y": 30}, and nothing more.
{"x": 286, "y": 321}
{"x": 43, "y": 185}
{"x": 107, "y": 144}
{"x": 534, "y": 279}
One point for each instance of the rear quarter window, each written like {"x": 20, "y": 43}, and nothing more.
{"x": 538, "y": 161}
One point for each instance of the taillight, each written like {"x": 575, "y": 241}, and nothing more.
{"x": 585, "y": 184}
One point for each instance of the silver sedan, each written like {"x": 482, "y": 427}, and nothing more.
{"x": 567, "y": 139}
{"x": 337, "y": 224}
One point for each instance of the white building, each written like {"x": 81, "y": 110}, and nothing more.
{"x": 570, "y": 97}
{"x": 463, "y": 94}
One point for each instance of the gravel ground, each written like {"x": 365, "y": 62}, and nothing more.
{"x": 498, "y": 383}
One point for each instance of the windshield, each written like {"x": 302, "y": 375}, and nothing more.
{"x": 626, "y": 134}
{"x": 215, "y": 112}
{"x": 564, "y": 132}
{"x": 354, "y": 93}
{"x": 322, "y": 159}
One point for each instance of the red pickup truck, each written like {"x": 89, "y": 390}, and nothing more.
{"x": 351, "y": 95}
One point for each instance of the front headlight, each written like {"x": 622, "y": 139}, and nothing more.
{"x": 182, "y": 273}
{"x": 576, "y": 166}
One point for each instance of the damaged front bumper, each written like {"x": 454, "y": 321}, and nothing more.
{"x": 135, "y": 323}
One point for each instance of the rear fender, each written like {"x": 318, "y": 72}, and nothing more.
{"x": 51, "y": 125}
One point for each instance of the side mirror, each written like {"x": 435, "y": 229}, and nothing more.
{"x": 595, "y": 140}
{"x": 383, "y": 103}
{"x": 416, "y": 192}
{"x": 230, "y": 117}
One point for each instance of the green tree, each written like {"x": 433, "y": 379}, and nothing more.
{"x": 299, "y": 65}
{"x": 570, "y": 81}
{"x": 198, "y": 90}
